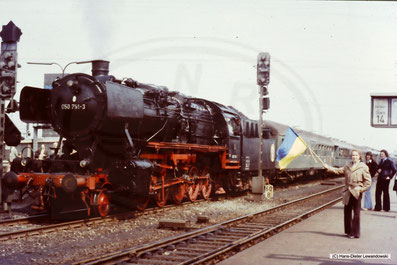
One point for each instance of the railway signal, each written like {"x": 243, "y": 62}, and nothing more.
{"x": 10, "y": 35}
{"x": 263, "y": 79}
{"x": 263, "y": 69}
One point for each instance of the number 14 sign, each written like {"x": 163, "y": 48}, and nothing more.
{"x": 384, "y": 110}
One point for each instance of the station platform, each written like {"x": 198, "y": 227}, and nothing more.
{"x": 313, "y": 240}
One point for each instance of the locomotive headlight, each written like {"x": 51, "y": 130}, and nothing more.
{"x": 74, "y": 85}
{"x": 84, "y": 163}
{"x": 70, "y": 83}
{"x": 24, "y": 162}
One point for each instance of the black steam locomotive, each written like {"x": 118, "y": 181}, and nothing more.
{"x": 123, "y": 141}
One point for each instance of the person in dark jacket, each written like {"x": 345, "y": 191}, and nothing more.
{"x": 373, "y": 167}
{"x": 386, "y": 171}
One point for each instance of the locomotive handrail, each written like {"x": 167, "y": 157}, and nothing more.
{"x": 195, "y": 147}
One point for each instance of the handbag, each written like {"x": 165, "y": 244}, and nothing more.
{"x": 395, "y": 182}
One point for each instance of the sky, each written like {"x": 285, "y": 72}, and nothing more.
{"x": 327, "y": 57}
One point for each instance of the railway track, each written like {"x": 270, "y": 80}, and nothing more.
{"x": 15, "y": 224}
{"x": 19, "y": 226}
{"x": 23, "y": 220}
{"x": 217, "y": 242}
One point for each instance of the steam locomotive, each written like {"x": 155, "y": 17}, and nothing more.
{"x": 122, "y": 141}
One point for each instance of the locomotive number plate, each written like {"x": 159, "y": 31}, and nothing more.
{"x": 73, "y": 106}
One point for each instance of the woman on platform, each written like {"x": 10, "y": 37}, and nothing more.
{"x": 357, "y": 181}
{"x": 373, "y": 167}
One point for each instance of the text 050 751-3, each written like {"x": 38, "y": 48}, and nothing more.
{"x": 73, "y": 106}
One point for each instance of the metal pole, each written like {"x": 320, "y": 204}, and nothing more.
{"x": 2, "y": 152}
{"x": 260, "y": 131}
{"x": 35, "y": 145}
{"x": 258, "y": 182}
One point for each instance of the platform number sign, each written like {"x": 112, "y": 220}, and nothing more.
{"x": 380, "y": 109}
{"x": 384, "y": 111}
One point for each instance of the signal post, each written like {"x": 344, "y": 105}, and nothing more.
{"x": 10, "y": 35}
{"x": 263, "y": 79}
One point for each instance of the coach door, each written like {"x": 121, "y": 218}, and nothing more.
{"x": 234, "y": 129}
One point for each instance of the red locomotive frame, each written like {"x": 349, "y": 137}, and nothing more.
{"x": 94, "y": 188}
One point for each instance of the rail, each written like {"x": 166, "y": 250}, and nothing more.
{"x": 217, "y": 241}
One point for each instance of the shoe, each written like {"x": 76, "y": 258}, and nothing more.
{"x": 365, "y": 209}
{"x": 350, "y": 236}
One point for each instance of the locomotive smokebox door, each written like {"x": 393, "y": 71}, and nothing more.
{"x": 123, "y": 102}
{"x": 77, "y": 105}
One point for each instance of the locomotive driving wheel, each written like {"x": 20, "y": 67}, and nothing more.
{"x": 206, "y": 185}
{"x": 178, "y": 192}
{"x": 101, "y": 203}
{"x": 193, "y": 189}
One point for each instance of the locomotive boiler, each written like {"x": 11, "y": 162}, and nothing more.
{"x": 124, "y": 139}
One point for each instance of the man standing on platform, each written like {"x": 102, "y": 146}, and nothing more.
{"x": 385, "y": 172}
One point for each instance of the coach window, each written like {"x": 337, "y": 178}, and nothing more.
{"x": 234, "y": 126}
{"x": 256, "y": 130}
{"x": 247, "y": 127}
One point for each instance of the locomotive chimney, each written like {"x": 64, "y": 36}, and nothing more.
{"x": 100, "y": 68}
